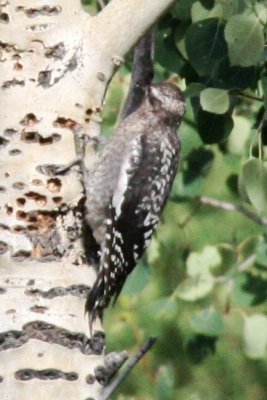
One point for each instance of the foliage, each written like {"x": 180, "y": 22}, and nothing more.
{"x": 202, "y": 286}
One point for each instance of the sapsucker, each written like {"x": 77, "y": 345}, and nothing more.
{"x": 129, "y": 187}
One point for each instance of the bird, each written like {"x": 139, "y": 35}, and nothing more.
{"x": 128, "y": 189}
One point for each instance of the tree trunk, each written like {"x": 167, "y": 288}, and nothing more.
{"x": 56, "y": 62}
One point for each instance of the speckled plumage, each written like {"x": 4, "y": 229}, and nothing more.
{"x": 129, "y": 187}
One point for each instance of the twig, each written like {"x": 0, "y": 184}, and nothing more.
{"x": 232, "y": 207}
{"x": 248, "y": 96}
{"x": 246, "y": 264}
{"x": 142, "y": 74}
{"x": 107, "y": 392}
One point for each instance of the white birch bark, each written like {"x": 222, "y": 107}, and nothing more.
{"x": 55, "y": 64}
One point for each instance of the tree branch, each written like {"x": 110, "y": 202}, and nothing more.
{"x": 232, "y": 207}
{"x": 122, "y": 22}
{"x": 131, "y": 364}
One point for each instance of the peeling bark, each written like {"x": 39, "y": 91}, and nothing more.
{"x": 55, "y": 64}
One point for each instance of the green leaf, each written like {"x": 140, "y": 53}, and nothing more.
{"x": 248, "y": 246}
{"x": 240, "y": 135}
{"x": 199, "y": 12}
{"x": 207, "y": 3}
{"x": 194, "y": 89}
{"x": 166, "y": 52}
{"x": 252, "y": 291}
{"x": 245, "y": 40}
{"x": 205, "y": 44}
{"x": 255, "y": 181}
{"x": 214, "y": 100}
{"x": 179, "y": 37}
{"x": 231, "y": 7}
{"x": 199, "y": 269}
{"x": 201, "y": 264}
{"x": 182, "y": 9}
{"x": 195, "y": 288}
{"x": 207, "y": 322}
{"x": 255, "y": 336}
{"x": 261, "y": 12}
{"x": 213, "y": 128}
{"x": 240, "y": 295}
{"x": 90, "y": 7}
{"x": 242, "y": 189}
{"x": 234, "y": 77}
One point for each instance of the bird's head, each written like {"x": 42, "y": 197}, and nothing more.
{"x": 167, "y": 99}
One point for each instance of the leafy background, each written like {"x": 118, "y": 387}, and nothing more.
{"x": 202, "y": 286}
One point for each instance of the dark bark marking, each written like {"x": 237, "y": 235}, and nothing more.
{"x": 52, "y": 334}
{"x": 44, "y": 374}
{"x": 4, "y": 18}
{"x": 39, "y": 11}
{"x": 3, "y": 247}
{"x": 75, "y": 290}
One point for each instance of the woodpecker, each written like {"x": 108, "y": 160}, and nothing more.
{"x": 128, "y": 189}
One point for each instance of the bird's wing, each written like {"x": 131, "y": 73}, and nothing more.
{"x": 145, "y": 182}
